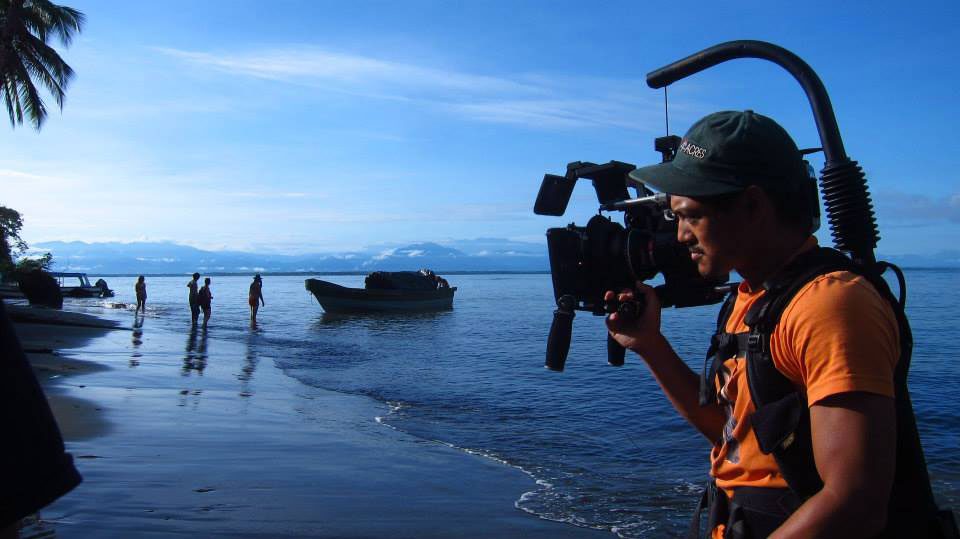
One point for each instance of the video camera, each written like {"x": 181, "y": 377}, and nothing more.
{"x": 587, "y": 261}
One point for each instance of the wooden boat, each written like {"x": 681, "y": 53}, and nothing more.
{"x": 340, "y": 299}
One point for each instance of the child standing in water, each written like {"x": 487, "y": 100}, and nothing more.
{"x": 141, "y": 289}
{"x": 205, "y": 297}
{"x": 256, "y": 298}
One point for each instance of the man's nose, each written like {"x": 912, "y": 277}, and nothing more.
{"x": 684, "y": 235}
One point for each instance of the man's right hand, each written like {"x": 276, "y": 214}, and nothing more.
{"x": 640, "y": 333}
{"x": 680, "y": 384}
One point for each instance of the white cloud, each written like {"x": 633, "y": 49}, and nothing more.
{"x": 263, "y": 194}
{"x": 18, "y": 176}
{"x": 527, "y": 99}
{"x": 313, "y": 66}
{"x": 918, "y": 208}
{"x": 384, "y": 254}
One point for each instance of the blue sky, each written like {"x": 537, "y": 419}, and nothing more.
{"x": 299, "y": 127}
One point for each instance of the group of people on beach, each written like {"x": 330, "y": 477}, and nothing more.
{"x": 201, "y": 298}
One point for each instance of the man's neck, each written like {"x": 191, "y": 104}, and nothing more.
{"x": 768, "y": 257}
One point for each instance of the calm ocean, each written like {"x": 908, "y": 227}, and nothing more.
{"x": 605, "y": 448}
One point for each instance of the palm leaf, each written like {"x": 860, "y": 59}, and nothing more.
{"x": 25, "y": 55}
{"x": 47, "y": 66}
{"x": 9, "y": 90}
{"x": 44, "y": 17}
{"x": 30, "y": 99}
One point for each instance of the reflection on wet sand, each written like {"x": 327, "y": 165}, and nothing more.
{"x": 136, "y": 339}
{"x": 245, "y": 375}
{"x": 196, "y": 353}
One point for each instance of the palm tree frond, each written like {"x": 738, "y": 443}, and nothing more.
{"x": 42, "y": 53}
{"x": 29, "y": 99}
{"x": 26, "y": 57}
{"x": 52, "y": 83}
{"x": 11, "y": 102}
{"x": 43, "y": 17}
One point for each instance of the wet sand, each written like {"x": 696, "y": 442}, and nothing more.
{"x": 185, "y": 434}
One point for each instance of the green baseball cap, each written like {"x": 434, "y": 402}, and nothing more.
{"x": 726, "y": 152}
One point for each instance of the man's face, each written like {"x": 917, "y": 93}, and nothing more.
{"x": 713, "y": 235}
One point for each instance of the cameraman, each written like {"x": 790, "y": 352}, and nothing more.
{"x": 734, "y": 187}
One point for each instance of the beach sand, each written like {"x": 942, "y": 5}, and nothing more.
{"x": 185, "y": 434}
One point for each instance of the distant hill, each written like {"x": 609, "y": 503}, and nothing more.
{"x": 161, "y": 257}
{"x": 482, "y": 254}
{"x": 943, "y": 259}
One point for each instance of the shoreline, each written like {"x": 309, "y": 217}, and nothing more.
{"x": 46, "y": 336}
{"x": 175, "y": 439}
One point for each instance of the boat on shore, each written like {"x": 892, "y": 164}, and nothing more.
{"x": 77, "y": 285}
{"x": 385, "y": 292}
{"x": 74, "y": 285}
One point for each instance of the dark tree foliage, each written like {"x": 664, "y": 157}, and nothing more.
{"x": 25, "y": 265}
{"x": 26, "y": 58}
{"x": 11, "y": 246}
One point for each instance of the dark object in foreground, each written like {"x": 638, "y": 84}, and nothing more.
{"x": 40, "y": 288}
{"x": 36, "y": 469}
{"x": 386, "y": 292}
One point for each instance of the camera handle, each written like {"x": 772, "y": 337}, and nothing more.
{"x": 558, "y": 342}
{"x": 627, "y": 311}
{"x": 616, "y": 354}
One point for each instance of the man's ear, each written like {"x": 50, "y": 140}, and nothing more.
{"x": 755, "y": 204}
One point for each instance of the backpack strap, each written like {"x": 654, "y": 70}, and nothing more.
{"x": 722, "y": 346}
{"x": 781, "y": 422}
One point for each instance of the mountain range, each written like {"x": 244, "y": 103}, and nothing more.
{"x": 483, "y": 254}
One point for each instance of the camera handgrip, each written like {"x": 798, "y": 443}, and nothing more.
{"x": 627, "y": 311}
{"x": 558, "y": 342}
{"x": 615, "y": 352}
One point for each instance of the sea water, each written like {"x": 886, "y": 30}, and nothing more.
{"x": 605, "y": 448}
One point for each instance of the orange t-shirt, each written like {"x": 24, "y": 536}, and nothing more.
{"x": 837, "y": 335}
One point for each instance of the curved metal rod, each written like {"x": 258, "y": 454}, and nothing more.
{"x": 808, "y": 79}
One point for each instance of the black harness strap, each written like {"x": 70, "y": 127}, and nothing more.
{"x": 722, "y": 346}
{"x": 753, "y": 511}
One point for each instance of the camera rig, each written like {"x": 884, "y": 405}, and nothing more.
{"x": 587, "y": 261}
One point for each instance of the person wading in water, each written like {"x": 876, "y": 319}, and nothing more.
{"x": 255, "y": 298}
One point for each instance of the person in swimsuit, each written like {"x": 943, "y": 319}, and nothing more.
{"x": 205, "y": 298}
{"x": 194, "y": 300}
{"x": 141, "y": 289}
{"x": 255, "y": 298}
